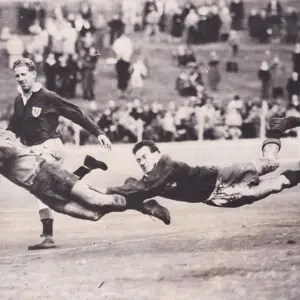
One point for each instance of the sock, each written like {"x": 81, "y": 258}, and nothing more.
{"x": 82, "y": 171}
{"x": 292, "y": 176}
{"x": 47, "y": 227}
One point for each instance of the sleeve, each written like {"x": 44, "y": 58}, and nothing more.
{"x": 74, "y": 114}
{"x": 14, "y": 123}
{"x": 155, "y": 185}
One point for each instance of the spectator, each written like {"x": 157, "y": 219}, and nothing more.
{"x": 264, "y": 76}
{"x": 274, "y": 14}
{"x": 50, "y": 71}
{"x": 234, "y": 121}
{"x": 277, "y": 75}
{"x": 214, "y": 74}
{"x": 226, "y": 24}
{"x": 116, "y": 28}
{"x": 293, "y": 85}
{"x": 88, "y": 74}
{"x": 123, "y": 49}
{"x": 152, "y": 19}
{"x": 263, "y": 28}
{"x": 296, "y": 58}
{"x": 14, "y": 48}
{"x": 139, "y": 73}
{"x": 254, "y": 24}
{"x": 291, "y": 20}
{"x": 236, "y": 8}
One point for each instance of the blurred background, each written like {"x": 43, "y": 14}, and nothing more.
{"x": 166, "y": 70}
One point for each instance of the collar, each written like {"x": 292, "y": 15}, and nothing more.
{"x": 35, "y": 88}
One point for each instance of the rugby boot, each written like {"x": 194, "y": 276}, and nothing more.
{"x": 152, "y": 208}
{"x": 92, "y": 163}
{"x": 46, "y": 242}
{"x": 292, "y": 176}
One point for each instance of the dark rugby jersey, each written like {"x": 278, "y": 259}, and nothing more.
{"x": 38, "y": 120}
{"x": 173, "y": 180}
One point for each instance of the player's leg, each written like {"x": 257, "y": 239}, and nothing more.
{"x": 51, "y": 151}
{"x": 243, "y": 194}
{"x": 46, "y": 218}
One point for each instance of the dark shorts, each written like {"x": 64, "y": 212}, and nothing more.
{"x": 232, "y": 183}
{"x": 53, "y": 184}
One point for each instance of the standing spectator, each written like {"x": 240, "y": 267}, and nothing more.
{"x": 237, "y": 12}
{"x": 214, "y": 74}
{"x": 152, "y": 22}
{"x": 226, "y": 24}
{"x": 277, "y": 75}
{"x": 274, "y": 14}
{"x": 88, "y": 74}
{"x": 291, "y": 20}
{"x": 296, "y": 58}
{"x": 62, "y": 77}
{"x": 14, "y": 48}
{"x": 232, "y": 64}
{"x": 263, "y": 27}
{"x": 190, "y": 24}
{"x": 264, "y": 76}
{"x": 254, "y": 24}
{"x": 177, "y": 26}
{"x": 293, "y": 85}
{"x": 139, "y": 73}
{"x": 69, "y": 39}
{"x": 50, "y": 70}
{"x": 123, "y": 49}
{"x": 116, "y": 27}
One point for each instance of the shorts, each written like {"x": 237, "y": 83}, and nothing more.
{"x": 53, "y": 184}
{"x": 231, "y": 184}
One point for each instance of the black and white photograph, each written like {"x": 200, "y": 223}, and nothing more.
{"x": 150, "y": 150}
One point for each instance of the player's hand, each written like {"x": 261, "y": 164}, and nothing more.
{"x": 104, "y": 141}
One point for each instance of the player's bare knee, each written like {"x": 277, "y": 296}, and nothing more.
{"x": 266, "y": 165}
{"x": 96, "y": 216}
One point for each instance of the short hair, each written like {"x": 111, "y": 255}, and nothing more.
{"x": 145, "y": 143}
{"x": 24, "y": 62}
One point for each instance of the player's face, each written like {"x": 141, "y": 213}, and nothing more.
{"x": 24, "y": 77}
{"x": 146, "y": 159}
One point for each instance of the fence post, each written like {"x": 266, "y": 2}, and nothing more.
{"x": 263, "y": 115}
{"x": 140, "y": 130}
{"x": 200, "y": 118}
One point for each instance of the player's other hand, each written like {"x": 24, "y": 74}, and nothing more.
{"x": 104, "y": 141}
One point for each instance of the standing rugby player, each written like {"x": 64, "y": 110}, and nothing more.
{"x": 35, "y": 121}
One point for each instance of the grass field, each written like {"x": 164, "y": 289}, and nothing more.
{"x": 206, "y": 253}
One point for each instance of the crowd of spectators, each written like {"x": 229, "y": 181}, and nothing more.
{"x": 65, "y": 47}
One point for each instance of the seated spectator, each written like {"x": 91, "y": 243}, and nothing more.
{"x": 184, "y": 55}
{"x": 251, "y": 124}
{"x": 233, "y": 121}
